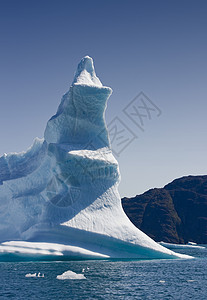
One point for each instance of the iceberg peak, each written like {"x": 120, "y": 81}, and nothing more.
{"x": 80, "y": 115}
{"x": 85, "y": 74}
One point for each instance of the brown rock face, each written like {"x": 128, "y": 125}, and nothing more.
{"x": 176, "y": 213}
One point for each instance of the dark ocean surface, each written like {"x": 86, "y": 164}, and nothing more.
{"x": 109, "y": 279}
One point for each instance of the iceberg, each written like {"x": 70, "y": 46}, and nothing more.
{"x": 70, "y": 275}
{"x": 60, "y": 197}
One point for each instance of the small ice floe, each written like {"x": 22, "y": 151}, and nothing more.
{"x": 34, "y": 275}
{"x": 31, "y": 275}
{"x": 192, "y": 244}
{"x": 181, "y": 246}
{"x": 162, "y": 281}
{"x": 190, "y": 280}
{"x": 85, "y": 269}
{"x": 70, "y": 275}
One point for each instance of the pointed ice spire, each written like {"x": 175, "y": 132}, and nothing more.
{"x": 85, "y": 74}
{"x": 80, "y": 116}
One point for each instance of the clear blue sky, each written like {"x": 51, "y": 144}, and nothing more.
{"x": 158, "y": 47}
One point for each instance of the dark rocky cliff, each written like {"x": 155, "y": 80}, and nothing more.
{"x": 176, "y": 213}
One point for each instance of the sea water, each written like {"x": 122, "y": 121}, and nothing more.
{"x": 108, "y": 279}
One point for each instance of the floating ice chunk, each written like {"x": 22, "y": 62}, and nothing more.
{"x": 180, "y": 246}
{"x": 192, "y": 243}
{"x": 31, "y": 275}
{"x": 190, "y": 280}
{"x": 70, "y": 275}
{"x": 35, "y": 275}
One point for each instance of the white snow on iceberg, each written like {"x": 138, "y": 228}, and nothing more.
{"x": 60, "y": 197}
